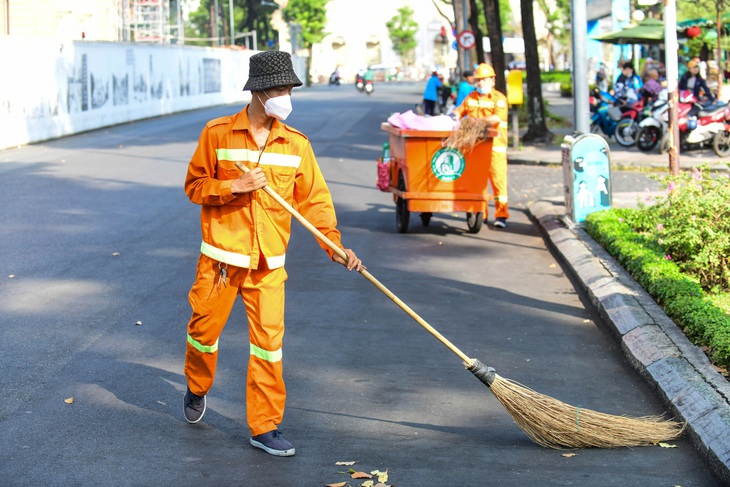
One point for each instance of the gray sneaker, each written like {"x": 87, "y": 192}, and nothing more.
{"x": 194, "y": 407}
{"x": 500, "y": 222}
{"x": 273, "y": 443}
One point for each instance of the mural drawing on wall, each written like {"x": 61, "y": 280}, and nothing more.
{"x": 120, "y": 90}
{"x": 212, "y": 75}
{"x": 99, "y": 90}
{"x": 78, "y": 92}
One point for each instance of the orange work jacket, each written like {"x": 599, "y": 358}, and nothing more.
{"x": 482, "y": 106}
{"x": 240, "y": 229}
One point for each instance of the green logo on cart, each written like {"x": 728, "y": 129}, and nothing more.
{"x": 448, "y": 164}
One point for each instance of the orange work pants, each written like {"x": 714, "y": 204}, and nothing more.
{"x": 262, "y": 291}
{"x": 498, "y": 180}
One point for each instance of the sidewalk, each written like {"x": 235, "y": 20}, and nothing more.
{"x": 654, "y": 345}
{"x": 621, "y": 157}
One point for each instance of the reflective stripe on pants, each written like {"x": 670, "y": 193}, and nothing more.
{"x": 262, "y": 291}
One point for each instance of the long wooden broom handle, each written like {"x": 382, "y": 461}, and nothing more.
{"x": 329, "y": 243}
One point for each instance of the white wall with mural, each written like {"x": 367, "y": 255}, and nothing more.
{"x": 49, "y": 89}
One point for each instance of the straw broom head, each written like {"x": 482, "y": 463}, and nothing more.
{"x": 555, "y": 424}
{"x": 468, "y": 134}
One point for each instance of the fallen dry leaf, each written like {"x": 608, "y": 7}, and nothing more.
{"x": 568, "y": 455}
{"x": 70, "y": 400}
{"x": 115, "y": 254}
{"x": 380, "y": 484}
{"x": 553, "y": 266}
{"x": 360, "y": 475}
{"x": 11, "y": 276}
{"x": 367, "y": 483}
{"x": 667, "y": 445}
{"x": 345, "y": 463}
{"x": 382, "y": 476}
{"x": 338, "y": 484}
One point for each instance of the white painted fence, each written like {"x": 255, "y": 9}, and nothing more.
{"x": 48, "y": 89}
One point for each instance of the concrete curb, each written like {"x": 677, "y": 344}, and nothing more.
{"x": 654, "y": 345}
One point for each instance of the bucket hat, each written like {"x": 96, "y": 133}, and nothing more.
{"x": 270, "y": 69}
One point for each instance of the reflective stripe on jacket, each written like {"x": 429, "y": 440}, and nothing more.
{"x": 476, "y": 105}
{"x": 239, "y": 229}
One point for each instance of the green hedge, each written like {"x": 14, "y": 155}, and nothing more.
{"x": 680, "y": 295}
{"x": 556, "y": 77}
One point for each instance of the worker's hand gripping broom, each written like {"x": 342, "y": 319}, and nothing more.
{"x": 549, "y": 422}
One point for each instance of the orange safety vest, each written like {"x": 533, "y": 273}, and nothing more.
{"x": 482, "y": 106}
{"x": 240, "y": 229}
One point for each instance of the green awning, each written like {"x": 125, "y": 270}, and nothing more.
{"x": 649, "y": 31}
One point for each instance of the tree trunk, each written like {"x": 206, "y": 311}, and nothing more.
{"x": 537, "y": 130}
{"x": 474, "y": 24}
{"x": 494, "y": 30}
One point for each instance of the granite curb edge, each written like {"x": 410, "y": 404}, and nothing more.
{"x": 653, "y": 344}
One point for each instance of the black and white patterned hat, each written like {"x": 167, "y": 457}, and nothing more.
{"x": 270, "y": 69}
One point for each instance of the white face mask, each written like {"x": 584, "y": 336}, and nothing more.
{"x": 278, "y": 107}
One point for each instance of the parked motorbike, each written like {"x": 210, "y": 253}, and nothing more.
{"x": 627, "y": 125}
{"x": 699, "y": 124}
{"x": 600, "y": 102}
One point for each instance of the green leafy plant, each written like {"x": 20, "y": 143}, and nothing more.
{"x": 678, "y": 249}
{"x": 402, "y": 32}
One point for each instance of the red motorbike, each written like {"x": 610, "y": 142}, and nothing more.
{"x": 628, "y": 120}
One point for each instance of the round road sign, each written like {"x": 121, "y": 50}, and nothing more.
{"x": 466, "y": 39}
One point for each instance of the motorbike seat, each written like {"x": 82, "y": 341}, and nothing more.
{"x": 708, "y": 111}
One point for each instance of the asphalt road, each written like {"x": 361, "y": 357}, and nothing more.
{"x": 99, "y": 250}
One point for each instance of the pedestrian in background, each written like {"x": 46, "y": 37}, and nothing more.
{"x": 245, "y": 237}
{"x": 466, "y": 86}
{"x": 602, "y": 77}
{"x": 431, "y": 94}
{"x": 491, "y": 105}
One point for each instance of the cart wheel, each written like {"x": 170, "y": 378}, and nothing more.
{"x": 402, "y": 215}
{"x": 474, "y": 222}
{"x": 426, "y": 218}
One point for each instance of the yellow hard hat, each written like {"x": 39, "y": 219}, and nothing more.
{"x": 484, "y": 70}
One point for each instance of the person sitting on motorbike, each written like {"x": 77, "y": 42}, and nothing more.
{"x": 627, "y": 86}
{"x": 652, "y": 86}
{"x": 369, "y": 75}
{"x": 692, "y": 80}
{"x": 335, "y": 76}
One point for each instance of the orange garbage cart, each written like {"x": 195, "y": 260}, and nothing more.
{"x": 427, "y": 177}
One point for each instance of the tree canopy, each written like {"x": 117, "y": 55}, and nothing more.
{"x": 311, "y": 15}
{"x": 402, "y": 32}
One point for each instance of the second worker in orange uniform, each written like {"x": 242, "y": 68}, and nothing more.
{"x": 487, "y": 103}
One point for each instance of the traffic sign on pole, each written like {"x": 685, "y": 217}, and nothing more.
{"x": 466, "y": 39}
